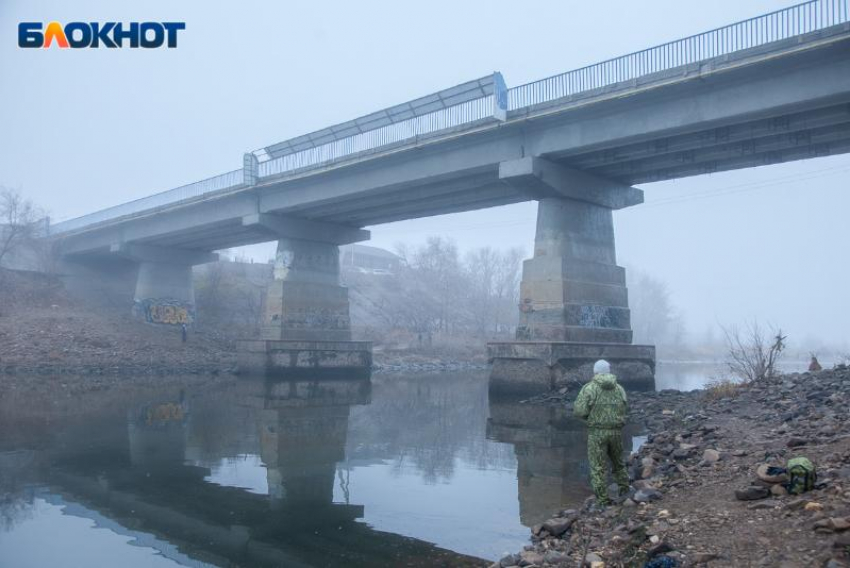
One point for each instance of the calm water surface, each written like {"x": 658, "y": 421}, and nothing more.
{"x": 393, "y": 471}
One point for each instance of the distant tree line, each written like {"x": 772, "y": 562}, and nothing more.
{"x": 439, "y": 291}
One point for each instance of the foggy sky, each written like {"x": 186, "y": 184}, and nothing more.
{"x": 85, "y": 129}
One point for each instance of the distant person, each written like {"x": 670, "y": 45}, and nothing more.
{"x": 603, "y": 404}
{"x": 184, "y": 333}
{"x": 814, "y": 365}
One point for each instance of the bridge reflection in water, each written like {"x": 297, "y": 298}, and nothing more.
{"x": 299, "y": 431}
{"x": 397, "y": 470}
{"x": 551, "y": 453}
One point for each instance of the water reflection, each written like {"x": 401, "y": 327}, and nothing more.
{"x": 158, "y": 479}
{"x": 551, "y": 453}
{"x": 400, "y": 470}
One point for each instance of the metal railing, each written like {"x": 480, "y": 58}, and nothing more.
{"x": 379, "y": 139}
{"x": 775, "y": 26}
{"x": 229, "y": 180}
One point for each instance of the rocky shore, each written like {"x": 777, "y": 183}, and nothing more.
{"x": 700, "y": 497}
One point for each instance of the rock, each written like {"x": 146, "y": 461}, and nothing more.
{"x": 813, "y": 506}
{"x": 591, "y": 557}
{"x": 704, "y": 557}
{"x": 558, "y": 525}
{"x": 798, "y": 503}
{"x": 710, "y": 456}
{"x": 554, "y": 557}
{"x": 778, "y": 490}
{"x": 751, "y": 493}
{"x": 762, "y": 474}
{"x": 835, "y": 524}
{"x": 510, "y": 560}
{"x": 646, "y": 495}
{"x": 662, "y": 547}
{"x": 796, "y": 442}
{"x": 842, "y": 541}
{"x": 768, "y": 504}
{"x": 530, "y": 558}
{"x": 739, "y": 453}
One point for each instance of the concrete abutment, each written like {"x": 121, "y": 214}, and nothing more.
{"x": 574, "y": 305}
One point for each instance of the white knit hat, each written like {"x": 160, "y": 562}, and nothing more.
{"x": 601, "y": 367}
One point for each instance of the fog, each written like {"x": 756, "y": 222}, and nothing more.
{"x": 85, "y": 129}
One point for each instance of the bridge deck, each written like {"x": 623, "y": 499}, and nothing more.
{"x": 767, "y": 90}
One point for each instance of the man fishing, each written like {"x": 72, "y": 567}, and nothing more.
{"x": 603, "y": 404}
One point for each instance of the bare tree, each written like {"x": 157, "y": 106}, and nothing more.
{"x": 492, "y": 287}
{"x": 506, "y": 288}
{"x": 439, "y": 267}
{"x": 652, "y": 313}
{"x": 18, "y": 221}
{"x": 751, "y": 354}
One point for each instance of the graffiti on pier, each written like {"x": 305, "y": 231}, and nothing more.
{"x": 165, "y": 311}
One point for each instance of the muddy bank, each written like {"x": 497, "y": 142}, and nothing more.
{"x": 702, "y": 447}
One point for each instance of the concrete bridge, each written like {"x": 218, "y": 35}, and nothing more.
{"x": 768, "y": 90}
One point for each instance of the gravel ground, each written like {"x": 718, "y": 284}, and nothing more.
{"x": 702, "y": 448}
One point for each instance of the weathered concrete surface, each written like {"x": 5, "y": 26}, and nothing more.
{"x": 306, "y": 301}
{"x": 532, "y": 367}
{"x": 293, "y": 357}
{"x": 574, "y": 306}
{"x": 307, "y": 326}
{"x": 165, "y": 294}
{"x": 573, "y": 290}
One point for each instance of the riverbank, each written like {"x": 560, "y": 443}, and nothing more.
{"x": 702, "y": 447}
{"x": 46, "y": 333}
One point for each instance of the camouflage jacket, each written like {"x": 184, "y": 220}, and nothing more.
{"x": 602, "y": 402}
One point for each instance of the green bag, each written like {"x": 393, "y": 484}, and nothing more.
{"x": 801, "y": 475}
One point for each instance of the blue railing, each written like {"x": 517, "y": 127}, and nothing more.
{"x": 776, "y": 26}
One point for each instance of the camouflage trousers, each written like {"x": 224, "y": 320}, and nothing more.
{"x": 604, "y": 444}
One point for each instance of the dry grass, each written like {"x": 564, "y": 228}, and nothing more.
{"x": 723, "y": 388}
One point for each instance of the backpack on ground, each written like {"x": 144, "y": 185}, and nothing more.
{"x": 801, "y": 475}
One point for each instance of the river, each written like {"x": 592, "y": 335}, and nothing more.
{"x": 399, "y": 470}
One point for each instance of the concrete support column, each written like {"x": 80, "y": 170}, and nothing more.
{"x": 165, "y": 294}
{"x": 572, "y": 289}
{"x": 306, "y": 300}
{"x": 574, "y": 306}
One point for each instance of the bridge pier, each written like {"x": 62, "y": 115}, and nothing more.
{"x": 573, "y": 298}
{"x": 306, "y": 323}
{"x": 164, "y": 292}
